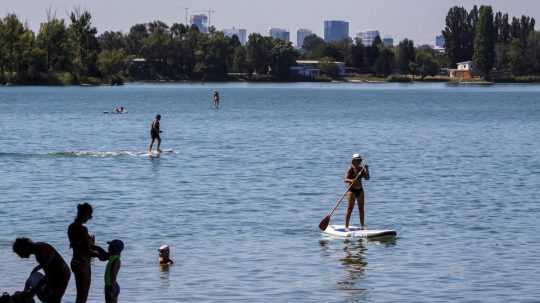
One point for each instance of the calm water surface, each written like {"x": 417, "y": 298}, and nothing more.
{"x": 455, "y": 170}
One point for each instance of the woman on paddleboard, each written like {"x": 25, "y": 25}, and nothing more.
{"x": 353, "y": 179}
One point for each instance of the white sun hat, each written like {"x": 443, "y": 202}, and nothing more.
{"x": 357, "y": 156}
{"x": 164, "y": 247}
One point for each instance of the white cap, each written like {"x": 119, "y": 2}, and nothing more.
{"x": 164, "y": 247}
{"x": 357, "y": 156}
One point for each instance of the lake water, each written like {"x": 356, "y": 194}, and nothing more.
{"x": 455, "y": 170}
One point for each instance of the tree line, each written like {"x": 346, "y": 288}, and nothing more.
{"x": 377, "y": 58}
{"x": 71, "y": 51}
{"x": 497, "y": 45}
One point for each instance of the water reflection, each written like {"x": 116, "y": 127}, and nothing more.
{"x": 351, "y": 254}
{"x": 353, "y": 262}
{"x": 164, "y": 271}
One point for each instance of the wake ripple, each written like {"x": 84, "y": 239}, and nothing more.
{"x": 83, "y": 154}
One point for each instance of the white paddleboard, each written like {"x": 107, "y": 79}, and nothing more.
{"x": 357, "y": 232}
{"x": 155, "y": 154}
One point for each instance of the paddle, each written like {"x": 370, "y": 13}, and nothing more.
{"x": 324, "y": 222}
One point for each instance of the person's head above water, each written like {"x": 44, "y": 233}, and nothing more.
{"x": 115, "y": 247}
{"x": 84, "y": 212}
{"x": 164, "y": 250}
{"x": 158, "y": 117}
{"x": 164, "y": 255}
{"x": 356, "y": 159}
{"x": 23, "y": 247}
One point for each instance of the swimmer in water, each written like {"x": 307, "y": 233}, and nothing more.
{"x": 164, "y": 255}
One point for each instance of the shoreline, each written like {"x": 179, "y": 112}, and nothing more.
{"x": 349, "y": 81}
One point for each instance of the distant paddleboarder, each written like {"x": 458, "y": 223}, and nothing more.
{"x": 216, "y": 99}
{"x": 353, "y": 178}
{"x": 154, "y": 134}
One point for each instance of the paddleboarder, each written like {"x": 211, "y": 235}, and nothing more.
{"x": 216, "y": 99}
{"x": 353, "y": 178}
{"x": 154, "y": 134}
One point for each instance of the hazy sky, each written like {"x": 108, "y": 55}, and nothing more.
{"x": 419, "y": 20}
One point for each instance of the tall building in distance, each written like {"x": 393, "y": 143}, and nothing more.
{"x": 388, "y": 41}
{"x": 439, "y": 41}
{"x": 301, "y": 34}
{"x": 368, "y": 37}
{"x": 279, "y": 33}
{"x": 201, "y": 21}
{"x": 238, "y": 32}
{"x": 335, "y": 30}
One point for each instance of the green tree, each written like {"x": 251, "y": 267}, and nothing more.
{"x": 214, "y": 55}
{"x": 156, "y": 48}
{"x": 358, "y": 54}
{"x": 135, "y": 39}
{"x": 258, "y": 51}
{"x": 533, "y": 52}
{"x": 283, "y": 56}
{"x": 111, "y": 64}
{"x": 384, "y": 65}
{"x": 406, "y": 54}
{"x": 517, "y": 58}
{"x": 372, "y": 53}
{"x": 458, "y": 35}
{"x": 484, "y": 42}
{"x": 112, "y": 41}
{"x": 21, "y": 58}
{"x": 240, "y": 64}
{"x": 425, "y": 64}
{"x": 53, "y": 39}
{"x": 84, "y": 44}
{"x": 314, "y": 47}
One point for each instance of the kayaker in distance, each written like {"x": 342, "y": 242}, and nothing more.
{"x": 353, "y": 178}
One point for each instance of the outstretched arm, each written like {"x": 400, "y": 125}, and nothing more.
{"x": 366, "y": 172}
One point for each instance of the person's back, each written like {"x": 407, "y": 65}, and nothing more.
{"x": 154, "y": 134}
{"x": 51, "y": 261}
{"x": 57, "y": 273}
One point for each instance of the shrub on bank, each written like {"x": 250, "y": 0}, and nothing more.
{"x": 399, "y": 78}
{"x": 518, "y": 79}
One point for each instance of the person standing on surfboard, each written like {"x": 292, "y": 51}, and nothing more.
{"x": 353, "y": 179}
{"x": 216, "y": 99}
{"x": 154, "y": 134}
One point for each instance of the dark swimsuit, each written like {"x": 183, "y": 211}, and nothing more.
{"x": 154, "y": 132}
{"x": 357, "y": 191}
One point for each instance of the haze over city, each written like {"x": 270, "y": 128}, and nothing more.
{"x": 420, "y": 20}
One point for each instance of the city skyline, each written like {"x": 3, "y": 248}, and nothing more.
{"x": 391, "y": 17}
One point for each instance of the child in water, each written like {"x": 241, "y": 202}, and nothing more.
{"x": 112, "y": 289}
{"x": 164, "y": 252}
